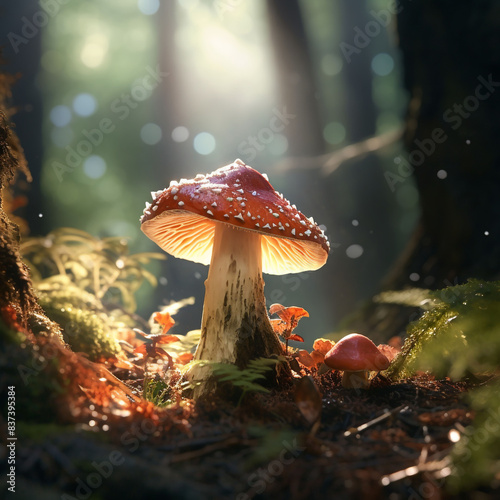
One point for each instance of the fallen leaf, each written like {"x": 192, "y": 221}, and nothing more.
{"x": 308, "y": 399}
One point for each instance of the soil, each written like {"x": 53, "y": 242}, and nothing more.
{"x": 389, "y": 441}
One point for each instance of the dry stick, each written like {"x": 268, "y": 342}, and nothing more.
{"x": 189, "y": 455}
{"x": 436, "y": 463}
{"x": 328, "y": 163}
{"x": 376, "y": 420}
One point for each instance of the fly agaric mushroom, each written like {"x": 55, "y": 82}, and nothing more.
{"x": 356, "y": 355}
{"x": 234, "y": 220}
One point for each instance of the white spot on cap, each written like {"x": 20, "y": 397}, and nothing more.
{"x": 174, "y": 190}
{"x": 240, "y": 190}
{"x": 303, "y": 222}
{"x": 209, "y": 212}
{"x": 229, "y": 199}
{"x": 214, "y": 204}
{"x": 217, "y": 190}
{"x": 155, "y": 208}
{"x": 254, "y": 193}
{"x": 239, "y": 216}
{"x": 276, "y": 215}
{"x": 267, "y": 226}
{"x": 308, "y": 232}
{"x": 181, "y": 203}
{"x": 257, "y": 224}
{"x": 265, "y": 177}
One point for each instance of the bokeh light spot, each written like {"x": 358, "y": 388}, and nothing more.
{"x": 84, "y": 104}
{"x": 151, "y": 134}
{"x": 94, "y": 50}
{"x": 334, "y": 133}
{"x": 94, "y": 167}
{"x": 180, "y": 134}
{"x": 382, "y": 64}
{"x": 279, "y": 145}
{"x": 354, "y": 251}
{"x": 204, "y": 143}
{"x": 331, "y": 64}
{"x": 60, "y": 115}
{"x": 148, "y": 7}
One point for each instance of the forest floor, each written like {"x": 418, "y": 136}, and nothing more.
{"x": 390, "y": 441}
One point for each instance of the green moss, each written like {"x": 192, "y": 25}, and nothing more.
{"x": 459, "y": 332}
{"x": 85, "y": 330}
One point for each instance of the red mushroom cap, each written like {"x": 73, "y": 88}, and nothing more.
{"x": 356, "y": 352}
{"x": 182, "y": 218}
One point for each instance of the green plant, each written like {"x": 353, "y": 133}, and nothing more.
{"x": 458, "y": 332}
{"x": 87, "y": 285}
{"x": 244, "y": 379}
{"x": 158, "y": 392}
{"x": 103, "y": 267}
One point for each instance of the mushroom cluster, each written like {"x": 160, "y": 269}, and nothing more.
{"x": 234, "y": 220}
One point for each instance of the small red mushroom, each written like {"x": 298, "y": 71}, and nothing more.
{"x": 234, "y": 220}
{"x": 356, "y": 355}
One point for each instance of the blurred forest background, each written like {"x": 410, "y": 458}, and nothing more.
{"x": 117, "y": 98}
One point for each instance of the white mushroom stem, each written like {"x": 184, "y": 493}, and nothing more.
{"x": 235, "y": 326}
{"x": 356, "y": 380}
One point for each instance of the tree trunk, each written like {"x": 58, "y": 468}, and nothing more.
{"x": 452, "y": 135}
{"x": 452, "y": 74}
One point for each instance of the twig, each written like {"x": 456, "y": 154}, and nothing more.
{"x": 438, "y": 462}
{"x": 189, "y": 455}
{"x": 376, "y": 420}
{"x": 328, "y": 163}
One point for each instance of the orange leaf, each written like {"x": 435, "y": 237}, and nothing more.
{"x": 279, "y": 326}
{"x": 184, "y": 358}
{"x": 323, "y": 345}
{"x": 388, "y": 351}
{"x": 305, "y": 358}
{"x": 295, "y": 337}
{"x": 166, "y": 339}
{"x": 318, "y": 357}
{"x": 165, "y": 320}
